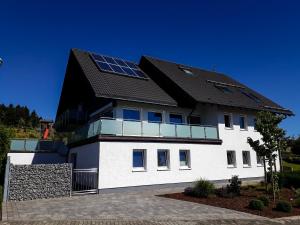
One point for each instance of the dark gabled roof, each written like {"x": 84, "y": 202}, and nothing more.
{"x": 201, "y": 86}
{"x": 113, "y": 86}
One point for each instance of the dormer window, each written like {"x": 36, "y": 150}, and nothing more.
{"x": 224, "y": 89}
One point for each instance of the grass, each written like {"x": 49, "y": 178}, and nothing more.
{"x": 296, "y": 167}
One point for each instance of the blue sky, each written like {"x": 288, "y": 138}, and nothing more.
{"x": 254, "y": 41}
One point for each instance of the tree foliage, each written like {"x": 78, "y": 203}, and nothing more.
{"x": 295, "y": 146}
{"x": 272, "y": 142}
{"x": 18, "y": 116}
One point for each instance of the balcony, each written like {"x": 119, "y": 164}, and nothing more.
{"x": 115, "y": 127}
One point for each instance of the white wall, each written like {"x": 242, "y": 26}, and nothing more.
{"x": 207, "y": 161}
{"x": 87, "y": 156}
{"x": 35, "y": 158}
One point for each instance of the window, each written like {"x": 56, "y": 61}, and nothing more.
{"x": 251, "y": 96}
{"x": 187, "y": 71}
{"x": 154, "y": 117}
{"x": 259, "y": 160}
{"x": 176, "y": 119}
{"x": 194, "y": 120}
{"x": 246, "y": 159}
{"x": 163, "y": 159}
{"x": 131, "y": 114}
{"x": 224, "y": 89}
{"x": 184, "y": 157}
{"x": 227, "y": 121}
{"x": 255, "y": 123}
{"x": 138, "y": 159}
{"x": 231, "y": 159}
{"x": 243, "y": 123}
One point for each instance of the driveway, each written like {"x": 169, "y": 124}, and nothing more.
{"x": 144, "y": 206}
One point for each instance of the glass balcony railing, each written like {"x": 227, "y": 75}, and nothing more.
{"x": 115, "y": 127}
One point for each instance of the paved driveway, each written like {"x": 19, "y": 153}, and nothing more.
{"x": 119, "y": 206}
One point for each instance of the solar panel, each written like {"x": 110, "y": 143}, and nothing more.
{"x": 118, "y": 66}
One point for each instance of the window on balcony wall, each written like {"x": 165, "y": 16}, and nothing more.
{"x": 176, "y": 119}
{"x": 163, "y": 158}
{"x": 139, "y": 159}
{"x": 131, "y": 114}
{"x": 228, "y": 121}
{"x": 194, "y": 120}
{"x": 184, "y": 158}
{"x": 243, "y": 122}
{"x": 154, "y": 117}
{"x": 231, "y": 159}
{"x": 246, "y": 158}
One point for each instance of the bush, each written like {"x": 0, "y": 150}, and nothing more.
{"x": 289, "y": 179}
{"x": 297, "y": 193}
{"x": 284, "y": 206}
{"x": 264, "y": 200}
{"x": 256, "y": 204}
{"x": 203, "y": 188}
{"x": 234, "y": 186}
{"x": 189, "y": 191}
{"x": 297, "y": 203}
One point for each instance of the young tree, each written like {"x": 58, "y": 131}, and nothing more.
{"x": 272, "y": 142}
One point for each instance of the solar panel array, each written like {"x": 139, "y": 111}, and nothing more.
{"x": 118, "y": 66}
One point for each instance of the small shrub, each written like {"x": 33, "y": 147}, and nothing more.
{"x": 256, "y": 204}
{"x": 203, "y": 188}
{"x": 284, "y": 206}
{"x": 234, "y": 186}
{"x": 189, "y": 191}
{"x": 297, "y": 203}
{"x": 265, "y": 200}
{"x": 297, "y": 193}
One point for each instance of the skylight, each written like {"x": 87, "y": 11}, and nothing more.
{"x": 224, "y": 89}
{"x": 187, "y": 71}
{"x": 251, "y": 96}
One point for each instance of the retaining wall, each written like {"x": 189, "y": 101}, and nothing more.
{"x": 27, "y": 182}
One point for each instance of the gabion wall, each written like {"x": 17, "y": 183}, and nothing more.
{"x": 27, "y": 182}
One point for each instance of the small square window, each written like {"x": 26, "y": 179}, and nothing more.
{"x": 138, "y": 159}
{"x": 154, "y": 117}
{"x": 231, "y": 159}
{"x": 227, "y": 121}
{"x": 246, "y": 158}
{"x": 184, "y": 158}
{"x": 243, "y": 123}
{"x": 163, "y": 159}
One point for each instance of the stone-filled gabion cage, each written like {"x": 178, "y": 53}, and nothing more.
{"x": 27, "y": 182}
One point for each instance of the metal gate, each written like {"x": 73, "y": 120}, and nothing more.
{"x": 85, "y": 181}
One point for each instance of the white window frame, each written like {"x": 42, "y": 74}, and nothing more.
{"x": 135, "y": 109}
{"x": 188, "y": 157}
{"x": 154, "y": 111}
{"x": 245, "y": 122}
{"x": 144, "y": 167}
{"x": 249, "y": 159}
{"x": 167, "y": 167}
{"x": 231, "y": 121}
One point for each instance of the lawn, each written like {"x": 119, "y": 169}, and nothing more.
{"x": 296, "y": 167}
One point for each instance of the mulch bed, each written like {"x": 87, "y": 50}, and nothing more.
{"x": 240, "y": 203}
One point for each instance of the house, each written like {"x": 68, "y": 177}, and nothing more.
{"x": 158, "y": 122}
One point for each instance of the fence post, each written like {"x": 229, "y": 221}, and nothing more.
{"x": 6, "y": 180}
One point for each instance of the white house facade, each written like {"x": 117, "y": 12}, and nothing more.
{"x": 158, "y": 122}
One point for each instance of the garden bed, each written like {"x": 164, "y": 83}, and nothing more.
{"x": 240, "y": 203}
